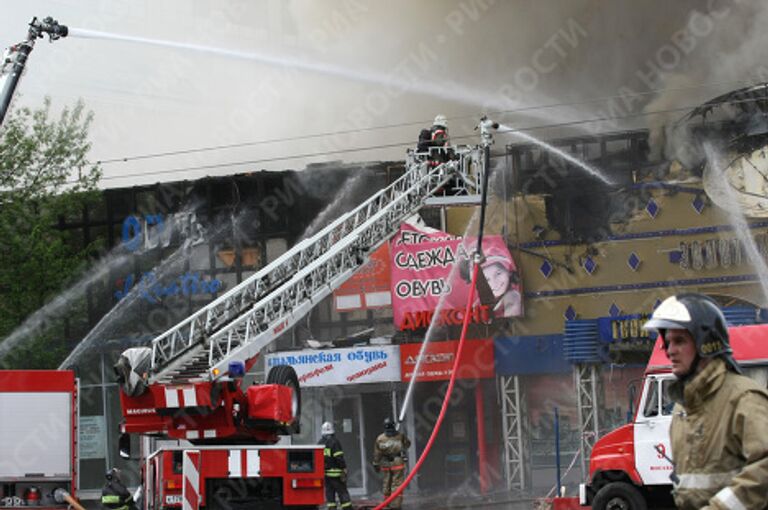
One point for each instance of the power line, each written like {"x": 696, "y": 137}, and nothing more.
{"x": 413, "y": 123}
{"x": 393, "y": 145}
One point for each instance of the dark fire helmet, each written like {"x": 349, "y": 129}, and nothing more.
{"x": 702, "y": 317}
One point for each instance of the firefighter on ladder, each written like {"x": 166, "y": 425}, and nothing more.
{"x": 389, "y": 458}
{"x": 335, "y": 469}
{"x": 114, "y": 495}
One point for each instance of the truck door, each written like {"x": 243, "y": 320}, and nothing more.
{"x": 652, "y": 422}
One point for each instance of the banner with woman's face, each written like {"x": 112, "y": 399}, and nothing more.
{"x": 426, "y": 269}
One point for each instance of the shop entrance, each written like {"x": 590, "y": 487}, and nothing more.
{"x": 347, "y": 414}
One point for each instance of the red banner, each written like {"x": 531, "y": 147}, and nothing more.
{"x": 368, "y": 287}
{"x": 424, "y": 274}
{"x": 477, "y": 360}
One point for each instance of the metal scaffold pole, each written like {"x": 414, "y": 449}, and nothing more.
{"x": 512, "y": 417}
{"x": 587, "y": 382}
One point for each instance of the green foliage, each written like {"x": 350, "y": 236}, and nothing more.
{"x": 44, "y": 176}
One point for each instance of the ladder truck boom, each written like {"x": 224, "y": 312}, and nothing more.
{"x": 241, "y": 317}
{"x": 194, "y": 368}
{"x": 15, "y": 58}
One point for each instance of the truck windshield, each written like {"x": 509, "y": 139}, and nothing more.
{"x": 652, "y": 400}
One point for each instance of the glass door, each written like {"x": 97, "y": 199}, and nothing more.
{"x": 347, "y": 419}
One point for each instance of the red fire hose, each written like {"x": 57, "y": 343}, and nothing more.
{"x": 446, "y": 399}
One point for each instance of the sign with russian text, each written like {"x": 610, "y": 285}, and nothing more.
{"x": 92, "y": 433}
{"x": 332, "y": 367}
{"x": 426, "y": 272}
{"x": 477, "y": 360}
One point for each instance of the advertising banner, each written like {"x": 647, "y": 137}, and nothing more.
{"x": 424, "y": 271}
{"x": 477, "y": 360}
{"x": 368, "y": 287}
{"x": 331, "y": 367}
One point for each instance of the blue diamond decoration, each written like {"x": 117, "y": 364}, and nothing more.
{"x": 698, "y": 204}
{"x": 633, "y": 261}
{"x": 570, "y": 313}
{"x": 614, "y": 310}
{"x": 546, "y": 269}
{"x": 652, "y": 208}
{"x": 590, "y": 265}
{"x": 656, "y": 304}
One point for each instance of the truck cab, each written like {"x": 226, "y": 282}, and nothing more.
{"x": 630, "y": 467}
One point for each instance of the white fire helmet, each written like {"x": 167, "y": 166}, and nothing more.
{"x": 440, "y": 121}
{"x": 327, "y": 429}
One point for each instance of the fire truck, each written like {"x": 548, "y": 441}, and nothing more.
{"x": 188, "y": 384}
{"x": 630, "y": 467}
{"x": 38, "y": 438}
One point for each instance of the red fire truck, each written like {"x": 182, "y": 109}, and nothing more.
{"x": 628, "y": 467}
{"x": 38, "y": 438}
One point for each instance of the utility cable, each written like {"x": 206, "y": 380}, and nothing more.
{"x": 393, "y": 145}
{"x": 521, "y": 109}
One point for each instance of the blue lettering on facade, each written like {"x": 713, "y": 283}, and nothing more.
{"x": 366, "y": 356}
{"x": 153, "y": 291}
{"x": 132, "y": 238}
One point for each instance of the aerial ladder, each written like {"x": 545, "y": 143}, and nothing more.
{"x": 196, "y": 367}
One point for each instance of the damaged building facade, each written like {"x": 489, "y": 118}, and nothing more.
{"x": 592, "y": 260}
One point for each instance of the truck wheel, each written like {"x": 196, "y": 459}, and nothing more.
{"x": 619, "y": 496}
{"x": 286, "y": 375}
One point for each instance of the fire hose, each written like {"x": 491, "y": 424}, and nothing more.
{"x": 485, "y": 126}
{"x": 61, "y": 496}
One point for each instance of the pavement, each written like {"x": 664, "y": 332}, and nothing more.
{"x": 497, "y": 501}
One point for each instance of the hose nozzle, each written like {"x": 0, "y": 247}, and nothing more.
{"x": 48, "y": 25}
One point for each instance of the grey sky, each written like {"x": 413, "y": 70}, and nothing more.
{"x": 453, "y": 57}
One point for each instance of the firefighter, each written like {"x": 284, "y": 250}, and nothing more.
{"x": 389, "y": 458}
{"x": 114, "y": 495}
{"x": 719, "y": 445}
{"x": 335, "y": 468}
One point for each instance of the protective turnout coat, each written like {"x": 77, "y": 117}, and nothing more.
{"x": 719, "y": 436}
{"x": 389, "y": 451}
{"x": 334, "y": 456}
{"x": 115, "y": 496}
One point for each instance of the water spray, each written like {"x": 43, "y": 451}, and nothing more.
{"x": 15, "y": 57}
{"x": 554, "y": 150}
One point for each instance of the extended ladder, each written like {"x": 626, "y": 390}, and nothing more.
{"x": 238, "y": 324}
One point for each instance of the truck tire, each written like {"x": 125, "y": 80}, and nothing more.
{"x": 286, "y": 375}
{"x": 619, "y": 496}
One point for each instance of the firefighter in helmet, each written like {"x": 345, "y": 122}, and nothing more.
{"x": 389, "y": 458}
{"x": 719, "y": 445}
{"x": 114, "y": 495}
{"x": 335, "y": 468}
{"x": 434, "y": 142}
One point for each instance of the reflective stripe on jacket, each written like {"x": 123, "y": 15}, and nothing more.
{"x": 333, "y": 456}
{"x": 115, "y": 496}
{"x": 719, "y": 437}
